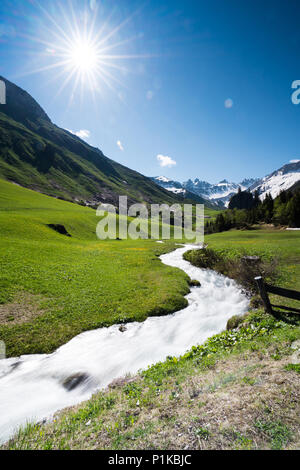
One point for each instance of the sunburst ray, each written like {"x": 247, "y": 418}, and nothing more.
{"x": 79, "y": 49}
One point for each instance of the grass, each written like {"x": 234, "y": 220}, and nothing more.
{"x": 239, "y": 390}
{"x": 270, "y": 244}
{"x": 278, "y": 432}
{"x": 75, "y": 283}
{"x": 294, "y": 367}
{"x": 229, "y": 393}
{"x": 266, "y": 242}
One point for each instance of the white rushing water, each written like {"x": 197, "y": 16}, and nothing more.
{"x": 31, "y": 387}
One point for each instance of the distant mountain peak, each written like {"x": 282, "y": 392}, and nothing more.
{"x": 163, "y": 179}
{"x": 219, "y": 193}
{"x": 282, "y": 179}
{"x": 247, "y": 182}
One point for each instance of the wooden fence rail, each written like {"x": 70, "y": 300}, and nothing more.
{"x": 264, "y": 288}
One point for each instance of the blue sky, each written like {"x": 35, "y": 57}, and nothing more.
{"x": 163, "y": 93}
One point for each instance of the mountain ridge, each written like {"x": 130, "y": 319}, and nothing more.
{"x": 219, "y": 194}
{"x": 286, "y": 177}
{"x": 37, "y": 154}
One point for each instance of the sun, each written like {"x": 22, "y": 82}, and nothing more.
{"x": 83, "y": 56}
{"x": 79, "y": 49}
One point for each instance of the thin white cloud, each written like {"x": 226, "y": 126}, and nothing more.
{"x": 165, "y": 161}
{"x": 120, "y": 145}
{"x": 294, "y": 161}
{"x": 228, "y": 103}
{"x": 82, "y": 134}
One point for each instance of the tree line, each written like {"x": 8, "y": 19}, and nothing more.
{"x": 246, "y": 209}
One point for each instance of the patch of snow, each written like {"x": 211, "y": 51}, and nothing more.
{"x": 176, "y": 190}
{"x": 164, "y": 179}
{"x": 225, "y": 193}
{"x": 277, "y": 182}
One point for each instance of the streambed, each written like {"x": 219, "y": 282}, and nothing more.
{"x": 31, "y": 387}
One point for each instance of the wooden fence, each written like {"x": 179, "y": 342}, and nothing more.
{"x": 264, "y": 288}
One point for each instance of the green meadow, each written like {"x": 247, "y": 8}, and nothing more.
{"x": 52, "y": 287}
{"x": 279, "y": 244}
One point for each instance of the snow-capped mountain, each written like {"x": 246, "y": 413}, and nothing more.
{"x": 223, "y": 189}
{"x": 219, "y": 193}
{"x": 169, "y": 185}
{"x": 285, "y": 178}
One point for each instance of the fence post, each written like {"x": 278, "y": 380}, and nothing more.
{"x": 264, "y": 295}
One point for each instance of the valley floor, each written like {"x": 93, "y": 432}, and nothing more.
{"x": 238, "y": 390}
{"x": 53, "y": 287}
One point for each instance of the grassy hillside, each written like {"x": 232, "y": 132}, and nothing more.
{"x": 55, "y": 162}
{"x": 39, "y": 155}
{"x": 53, "y": 287}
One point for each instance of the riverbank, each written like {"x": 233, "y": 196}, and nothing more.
{"x": 90, "y": 361}
{"x": 240, "y": 390}
{"x": 121, "y": 406}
